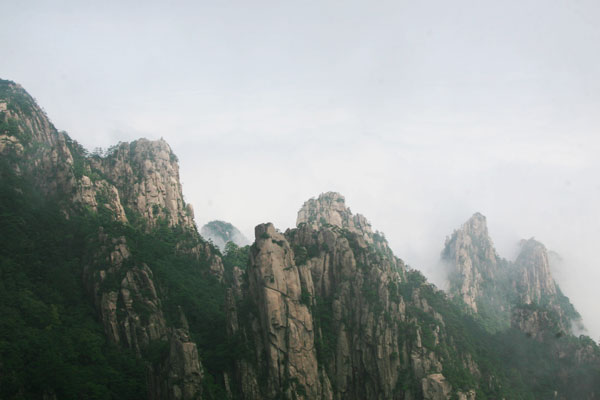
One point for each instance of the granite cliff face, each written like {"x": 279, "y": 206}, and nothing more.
{"x": 542, "y": 309}
{"x": 473, "y": 259}
{"x": 321, "y": 311}
{"x": 142, "y": 176}
{"x": 131, "y": 311}
{"x": 146, "y": 174}
{"x": 26, "y": 133}
{"x": 135, "y": 180}
{"x": 533, "y": 281}
{"x": 520, "y": 293}
{"x": 330, "y": 209}
{"x": 332, "y": 315}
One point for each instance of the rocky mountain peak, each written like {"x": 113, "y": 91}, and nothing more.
{"x": 533, "y": 268}
{"x": 142, "y": 176}
{"x": 22, "y": 117}
{"x": 476, "y": 226}
{"x": 472, "y": 235}
{"x": 330, "y": 209}
{"x": 146, "y": 172}
{"x": 542, "y": 310}
{"x": 472, "y": 258}
{"x": 521, "y": 293}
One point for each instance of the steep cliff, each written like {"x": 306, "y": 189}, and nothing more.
{"x": 505, "y": 293}
{"x": 27, "y": 134}
{"x": 326, "y": 311}
{"x": 108, "y": 291}
{"x": 330, "y": 209}
{"x": 533, "y": 280}
{"x": 474, "y": 262}
{"x": 147, "y": 176}
{"x": 540, "y": 309}
{"x": 142, "y": 176}
{"x": 126, "y": 196}
{"x": 331, "y": 313}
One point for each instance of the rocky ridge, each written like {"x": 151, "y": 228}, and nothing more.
{"x": 328, "y": 318}
{"x": 141, "y": 176}
{"x": 134, "y": 180}
{"x": 471, "y": 253}
{"x": 520, "y": 293}
{"x": 322, "y": 311}
{"x": 146, "y": 174}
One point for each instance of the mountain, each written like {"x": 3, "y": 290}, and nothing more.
{"x": 221, "y": 232}
{"x": 109, "y": 226}
{"x": 474, "y": 262}
{"x": 107, "y": 290}
{"x": 501, "y": 292}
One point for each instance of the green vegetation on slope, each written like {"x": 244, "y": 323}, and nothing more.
{"x": 51, "y": 339}
{"x": 51, "y": 342}
{"x": 512, "y": 365}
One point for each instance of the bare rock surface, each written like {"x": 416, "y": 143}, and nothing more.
{"x": 328, "y": 321}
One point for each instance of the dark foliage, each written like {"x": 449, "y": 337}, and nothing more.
{"x": 50, "y": 340}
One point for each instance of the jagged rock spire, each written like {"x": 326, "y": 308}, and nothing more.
{"x": 535, "y": 280}
{"x": 522, "y": 293}
{"x": 472, "y": 257}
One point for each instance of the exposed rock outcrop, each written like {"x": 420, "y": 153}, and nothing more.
{"x": 141, "y": 177}
{"x": 322, "y": 311}
{"x": 542, "y": 310}
{"x": 146, "y": 174}
{"x": 327, "y": 317}
{"x": 473, "y": 260}
{"x": 330, "y": 209}
{"x": 180, "y": 376}
{"x": 132, "y": 314}
{"x": 533, "y": 280}
{"x": 286, "y": 323}
{"x": 435, "y": 387}
{"x": 520, "y": 293}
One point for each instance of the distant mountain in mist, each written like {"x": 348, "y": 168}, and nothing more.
{"x": 221, "y": 232}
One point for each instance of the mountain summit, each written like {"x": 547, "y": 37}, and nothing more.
{"x": 501, "y": 292}
{"x": 330, "y": 209}
{"x": 473, "y": 260}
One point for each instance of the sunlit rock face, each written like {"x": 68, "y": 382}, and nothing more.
{"x": 327, "y": 318}
{"x": 147, "y": 175}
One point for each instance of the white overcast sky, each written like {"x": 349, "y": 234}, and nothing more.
{"x": 419, "y": 112}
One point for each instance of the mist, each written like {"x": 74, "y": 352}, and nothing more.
{"x": 420, "y": 114}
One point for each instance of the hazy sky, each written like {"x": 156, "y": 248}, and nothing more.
{"x": 419, "y": 112}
